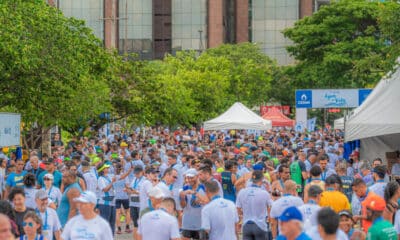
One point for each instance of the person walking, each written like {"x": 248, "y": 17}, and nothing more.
{"x": 51, "y": 223}
{"x": 67, "y": 208}
{"x": 310, "y": 209}
{"x": 219, "y": 218}
{"x": 253, "y": 202}
{"x": 52, "y": 191}
{"x": 106, "y": 203}
{"x": 161, "y": 219}
{"x": 88, "y": 222}
{"x": 291, "y": 225}
{"x": 380, "y": 229}
{"x": 332, "y": 197}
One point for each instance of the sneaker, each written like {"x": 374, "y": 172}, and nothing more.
{"x": 119, "y": 231}
{"x": 128, "y": 230}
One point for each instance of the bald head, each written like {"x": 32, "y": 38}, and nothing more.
{"x": 290, "y": 187}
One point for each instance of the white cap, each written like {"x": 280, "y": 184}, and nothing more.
{"x": 49, "y": 175}
{"x": 191, "y": 172}
{"x": 156, "y": 192}
{"x": 87, "y": 197}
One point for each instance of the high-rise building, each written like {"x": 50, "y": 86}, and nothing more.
{"x": 152, "y": 28}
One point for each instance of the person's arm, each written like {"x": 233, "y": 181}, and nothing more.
{"x": 123, "y": 176}
{"x": 233, "y": 178}
{"x": 274, "y": 227}
{"x": 109, "y": 186}
{"x": 72, "y": 194}
{"x": 57, "y": 235}
{"x": 82, "y": 184}
{"x": 305, "y": 192}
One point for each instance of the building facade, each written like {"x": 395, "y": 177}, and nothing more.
{"x": 152, "y": 28}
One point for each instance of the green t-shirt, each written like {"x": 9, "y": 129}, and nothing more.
{"x": 381, "y": 230}
{"x": 295, "y": 174}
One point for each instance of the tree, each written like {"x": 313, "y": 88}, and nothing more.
{"x": 251, "y": 71}
{"x": 53, "y": 69}
{"x": 340, "y": 46}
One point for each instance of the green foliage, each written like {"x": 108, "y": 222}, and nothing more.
{"x": 340, "y": 46}
{"x": 53, "y": 70}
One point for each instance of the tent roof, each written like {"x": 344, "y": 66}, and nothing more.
{"x": 238, "y": 116}
{"x": 278, "y": 118}
{"x": 379, "y": 114}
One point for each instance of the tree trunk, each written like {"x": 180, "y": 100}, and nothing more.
{"x": 46, "y": 141}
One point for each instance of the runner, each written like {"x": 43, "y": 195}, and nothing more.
{"x": 68, "y": 208}
{"x": 88, "y": 222}
{"x": 51, "y": 223}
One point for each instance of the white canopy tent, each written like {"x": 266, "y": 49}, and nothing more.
{"x": 338, "y": 124}
{"x": 377, "y": 121}
{"x": 238, "y": 116}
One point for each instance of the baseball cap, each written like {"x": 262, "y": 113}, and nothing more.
{"x": 86, "y": 197}
{"x": 49, "y": 176}
{"x": 346, "y": 213}
{"x": 191, "y": 172}
{"x": 291, "y": 213}
{"x": 41, "y": 194}
{"x": 138, "y": 169}
{"x": 156, "y": 192}
{"x": 258, "y": 166}
{"x": 151, "y": 170}
{"x": 96, "y": 160}
{"x": 314, "y": 190}
{"x": 123, "y": 144}
{"x": 375, "y": 203}
{"x": 103, "y": 166}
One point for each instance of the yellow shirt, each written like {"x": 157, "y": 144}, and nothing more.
{"x": 334, "y": 199}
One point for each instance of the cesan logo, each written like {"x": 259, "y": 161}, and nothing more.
{"x": 304, "y": 100}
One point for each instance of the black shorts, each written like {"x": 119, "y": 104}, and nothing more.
{"x": 123, "y": 202}
{"x": 191, "y": 234}
{"x": 135, "y": 215}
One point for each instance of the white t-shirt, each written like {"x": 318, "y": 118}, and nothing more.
{"x": 219, "y": 217}
{"x": 103, "y": 182}
{"x": 77, "y": 228}
{"x": 284, "y": 202}
{"x": 309, "y": 212}
{"x": 158, "y": 225}
{"x": 51, "y": 223}
{"x": 378, "y": 188}
{"x": 30, "y": 197}
{"x": 254, "y": 202}
{"x": 314, "y": 234}
{"x": 191, "y": 219}
{"x": 143, "y": 196}
{"x": 91, "y": 181}
{"x": 54, "y": 194}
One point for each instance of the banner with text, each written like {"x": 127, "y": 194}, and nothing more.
{"x": 10, "y": 129}
{"x": 331, "y": 98}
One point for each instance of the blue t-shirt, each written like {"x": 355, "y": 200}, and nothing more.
{"x": 57, "y": 178}
{"x": 16, "y": 180}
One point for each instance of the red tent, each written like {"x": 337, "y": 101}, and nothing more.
{"x": 278, "y": 118}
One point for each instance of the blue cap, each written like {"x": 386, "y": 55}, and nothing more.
{"x": 291, "y": 213}
{"x": 248, "y": 157}
{"x": 258, "y": 167}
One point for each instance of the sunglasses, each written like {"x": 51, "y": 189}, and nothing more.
{"x": 46, "y": 179}
{"x": 175, "y": 177}
{"x": 30, "y": 224}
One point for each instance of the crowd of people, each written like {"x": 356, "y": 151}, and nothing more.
{"x": 191, "y": 184}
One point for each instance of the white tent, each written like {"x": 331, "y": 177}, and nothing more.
{"x": 338, "y": 124}
{"x": 377, "y": 121}
{"x": 238, "y": 116}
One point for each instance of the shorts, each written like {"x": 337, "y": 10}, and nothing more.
{"x": 123, "y": 202}
{"x": 193, "y": 234}
{"x": 135, "y": 215}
